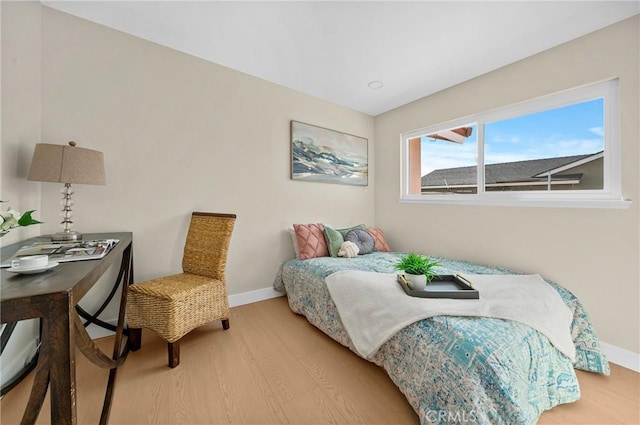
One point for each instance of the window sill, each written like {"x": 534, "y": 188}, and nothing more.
{"x": 512, "y": 202}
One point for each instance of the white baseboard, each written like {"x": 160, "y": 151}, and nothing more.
{"x": 235, "y": 300}
{"x": 617, "y": 355}
{"x": 253, "y": 296}
{"x": 622, "y": 357}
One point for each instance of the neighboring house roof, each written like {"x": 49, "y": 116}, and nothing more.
{"x": 534, "y": 170}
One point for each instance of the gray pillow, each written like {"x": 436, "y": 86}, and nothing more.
{"x": 348, "y": 229}
{"x": 363, "y": 239}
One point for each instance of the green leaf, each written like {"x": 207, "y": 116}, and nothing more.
{"x": 417, "y": 264}
{"x": 27, "y": 220}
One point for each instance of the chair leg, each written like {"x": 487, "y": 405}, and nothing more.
{"x": 174, "y": 353}
{"x": 135, "y": 338}
{"x": 225, "y": 324}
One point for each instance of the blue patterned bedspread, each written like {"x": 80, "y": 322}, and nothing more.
{"x": 457, "y": 369}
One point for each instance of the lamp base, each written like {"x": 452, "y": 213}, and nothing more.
{"x": 66, "y": 236}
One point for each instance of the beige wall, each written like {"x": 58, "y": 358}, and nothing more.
{"x": 181, "y": 134}
{"x": 593, "y": 252}
{"x": 20, "y": 124}
{"x": 20, "y": 93}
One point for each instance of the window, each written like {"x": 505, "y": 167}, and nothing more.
{"x": 559, "y": 150}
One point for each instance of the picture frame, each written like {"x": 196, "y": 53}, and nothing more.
{"x": 323, "y": 155}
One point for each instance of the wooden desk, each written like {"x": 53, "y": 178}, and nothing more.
{"x": 52, "y": 296}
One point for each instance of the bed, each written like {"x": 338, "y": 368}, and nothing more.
{"x": 456, "y": 369}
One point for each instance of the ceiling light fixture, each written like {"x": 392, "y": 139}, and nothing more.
{"x": 375, "y": 85}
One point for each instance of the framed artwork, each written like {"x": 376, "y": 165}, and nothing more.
{"x": 328, "y": 156}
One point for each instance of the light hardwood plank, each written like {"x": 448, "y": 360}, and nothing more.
{"x": 613, "y": 399}
{"x": 285, "y": 375}
{"x": 359, "y": 389}
{"x": 273, "y": 367}
{"x": 323, "y": 412}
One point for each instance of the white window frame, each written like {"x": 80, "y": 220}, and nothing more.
{"x": 608, "y": 197}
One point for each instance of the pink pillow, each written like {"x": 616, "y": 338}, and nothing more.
{"x": 310, "y": 238}
{"x": 379, "y": 240}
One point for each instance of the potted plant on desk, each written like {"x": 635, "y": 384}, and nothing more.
{"x": 419, "y": 270}
{"x": 11, "y": 218}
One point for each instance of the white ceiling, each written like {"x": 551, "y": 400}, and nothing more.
{"x": 333, "y": 49}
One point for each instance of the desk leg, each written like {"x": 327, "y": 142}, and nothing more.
{"x": 59, "y": 337}
{"x": 39, "y": 387}
{"x": 127, "y": 279}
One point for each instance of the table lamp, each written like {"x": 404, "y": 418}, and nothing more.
{"x": 66, "y": 164}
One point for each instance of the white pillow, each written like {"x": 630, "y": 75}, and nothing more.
{"x": 294, "y": 240}
{"x": 348, "y": 250}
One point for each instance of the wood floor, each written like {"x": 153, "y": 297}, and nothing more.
{"x": 272, "y": 367}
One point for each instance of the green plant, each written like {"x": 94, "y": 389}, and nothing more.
{"x": 11, "y": 218}
{"x": 418, "y": 264}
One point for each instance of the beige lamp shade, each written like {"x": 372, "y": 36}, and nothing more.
{"x": 67, "y": 164}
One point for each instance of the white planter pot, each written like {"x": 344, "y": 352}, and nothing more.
{"x": 417, "y": 282}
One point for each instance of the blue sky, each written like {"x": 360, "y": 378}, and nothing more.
{"x": 570, "y": 130}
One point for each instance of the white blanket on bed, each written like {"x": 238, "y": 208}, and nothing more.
{"x": 373, "y": 307}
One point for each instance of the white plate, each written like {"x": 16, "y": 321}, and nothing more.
{"x": 31, "y": 270}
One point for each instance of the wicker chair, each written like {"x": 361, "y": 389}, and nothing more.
{"x": 174, "y": 305}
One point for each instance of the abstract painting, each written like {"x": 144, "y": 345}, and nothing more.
{"x": 327, "y": 156}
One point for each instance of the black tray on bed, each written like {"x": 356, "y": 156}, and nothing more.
{"x": 443, "y": 286}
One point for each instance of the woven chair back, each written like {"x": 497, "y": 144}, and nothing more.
{"x": 208, "y": 238}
